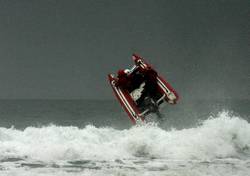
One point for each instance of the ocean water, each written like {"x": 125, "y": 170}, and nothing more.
{"x": 90, "y": 137}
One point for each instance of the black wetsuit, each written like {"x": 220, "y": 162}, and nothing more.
{"x": 150, "y": 88}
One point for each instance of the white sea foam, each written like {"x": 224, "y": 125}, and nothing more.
{"x": 218, "y": 146}
{"x": 222, "y": 137}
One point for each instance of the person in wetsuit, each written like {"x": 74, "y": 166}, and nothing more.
{"x": 133, "y": 81}
{"x": 150, "y": 88}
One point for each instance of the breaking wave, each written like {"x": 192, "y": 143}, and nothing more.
{"x": 224, "y": 136}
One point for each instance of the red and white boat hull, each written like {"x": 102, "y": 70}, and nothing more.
{"x": 126, "y": 101}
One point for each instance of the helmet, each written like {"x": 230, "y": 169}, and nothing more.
{"x": 126, "y": 71}
{"x": 122, "y": 72}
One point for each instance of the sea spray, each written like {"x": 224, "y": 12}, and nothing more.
{"x": 224, "y": 136}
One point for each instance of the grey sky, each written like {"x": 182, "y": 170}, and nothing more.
{"x": 65, "y": 49}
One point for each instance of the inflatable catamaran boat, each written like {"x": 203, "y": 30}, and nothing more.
{"x": 128, "y": 98}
